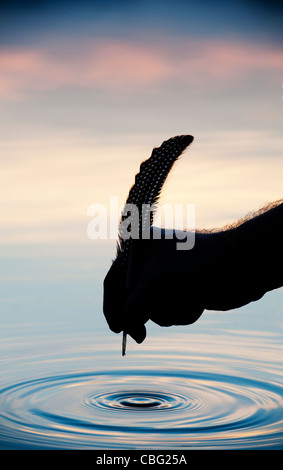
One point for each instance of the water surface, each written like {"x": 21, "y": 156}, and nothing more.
{"x": 216, "y": 384}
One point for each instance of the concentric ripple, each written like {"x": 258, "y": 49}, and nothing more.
{"x": 137, "y": 400}
{"x": 143, "y": 409}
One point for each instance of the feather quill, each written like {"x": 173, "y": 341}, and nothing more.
{"x": 145, "y": 193}
{"x": 148, "y": 185}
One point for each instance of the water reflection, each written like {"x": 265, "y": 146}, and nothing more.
{"x": 210, "y": 392}
{"x": 64, "y": 385}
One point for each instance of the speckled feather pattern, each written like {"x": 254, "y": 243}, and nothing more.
{"x": 148, "y": 185}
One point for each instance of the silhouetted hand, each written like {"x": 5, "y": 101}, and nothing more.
{"x": 224, "y": 270}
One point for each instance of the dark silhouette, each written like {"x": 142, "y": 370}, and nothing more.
{"x": 151, "y": 280}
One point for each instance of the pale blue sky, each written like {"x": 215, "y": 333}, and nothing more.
{"x": 88, "y": 88}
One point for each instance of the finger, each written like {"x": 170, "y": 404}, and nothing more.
{"x": 138, "y": 333}
{"x": 178, "y": 318}
{"x": 135, "y": 313}
{"x": 114, "y": 295}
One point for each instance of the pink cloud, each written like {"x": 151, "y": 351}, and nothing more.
{"x": 25, "y": 70}
{"x": 116, "y": 64}
{"x": 121, "y": 65}
{"x": 107, "y": 65}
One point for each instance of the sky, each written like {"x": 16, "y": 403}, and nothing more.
{"x": 88, "y": 88}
